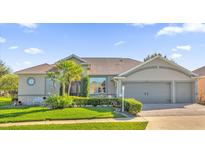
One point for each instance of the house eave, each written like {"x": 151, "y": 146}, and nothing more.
{"x": 166, "y": 60}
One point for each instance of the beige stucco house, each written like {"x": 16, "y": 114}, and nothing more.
{"x": 157, "y": 80}
{"x": 201, "y": 84}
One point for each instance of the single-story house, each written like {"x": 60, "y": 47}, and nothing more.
{"x": 201, "y": 83}
{"x": 157, "y": 80}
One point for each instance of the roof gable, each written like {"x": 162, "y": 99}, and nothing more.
{"x": 74, "y": 57}
{"x": 173, "y": 64}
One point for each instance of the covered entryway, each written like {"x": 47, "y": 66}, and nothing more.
{"x": 149, "y": 92}
{"x": 184, "y": 92}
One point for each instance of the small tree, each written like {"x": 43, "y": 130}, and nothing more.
{"x": 152, "y": 56}
{"x": 85, "y": 87}
{"x": 9, "y": 83}
{"x": 66, "y": 72}
{"x": 3, "y": 69}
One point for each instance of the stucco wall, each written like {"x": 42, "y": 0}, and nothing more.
{"x": 157, "y": 70}
{"x": 111, "y": 86}
{"x": 42, "y": 87}
{"x": 52, "y": 88}
{"x": 201, "y": 89}
{"x": 27, "y": 93}
{"x": 37, "y": 89}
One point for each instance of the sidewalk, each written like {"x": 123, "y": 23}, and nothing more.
{"x": 136, "y": 119}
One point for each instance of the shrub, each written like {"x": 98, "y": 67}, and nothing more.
{"x": 133, "y": 106}
{"x": 9, "y": 84}
{"x": 55, "y": 102}
{"x": 82, "y": 101}
{"x": 85, "y": 86}
{"x": 79, "y": 101}
{"x": 59, "y": 102}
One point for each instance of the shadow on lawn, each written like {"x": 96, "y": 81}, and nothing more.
{"x": 16, "y": 114}
{"x": 99, "y": 109}
{"x": 116, "y": 115}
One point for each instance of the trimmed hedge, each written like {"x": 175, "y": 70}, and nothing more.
{"x": 82, "y": 101}
{"x": 131, "y": 105}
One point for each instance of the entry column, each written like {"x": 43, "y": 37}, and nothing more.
{"x": 173, "y": 92}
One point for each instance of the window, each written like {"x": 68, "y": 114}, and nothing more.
{"x": 30, "y": 81}
{"x": 98, "y": 85}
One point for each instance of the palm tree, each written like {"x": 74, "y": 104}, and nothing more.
{"x": 66, "y": 72}
{"x": 152, "y": 56}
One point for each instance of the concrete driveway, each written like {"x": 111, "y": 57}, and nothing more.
{"x": 174, "y": 116}
{"x": 172, "y": 110}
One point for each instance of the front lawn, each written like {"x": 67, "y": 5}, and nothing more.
{"x": 42, "y": 113}
{"x": 5, "y": 101}
{"x": 84, "y": 126}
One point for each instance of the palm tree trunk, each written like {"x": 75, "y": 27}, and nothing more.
{"x": 63, "y": 89}
{"x": 69, "y": 87}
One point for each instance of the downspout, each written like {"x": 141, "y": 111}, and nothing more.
{"x": 45, "y": 88}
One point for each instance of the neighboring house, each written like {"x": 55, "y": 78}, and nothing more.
{"x": 201, "y": 83}
{"x": 157, "y": 80}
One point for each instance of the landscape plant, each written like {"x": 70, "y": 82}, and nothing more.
{"x": 131, "y": 105}
{"x": 9, "y": 84}
{"x": 4, "y": 69}
{"x": 58, "y": 102}
{"x": 66, "y": 72}
{"x": 85, "y": 86}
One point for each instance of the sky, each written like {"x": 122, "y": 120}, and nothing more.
{"x": 24, "y": 45}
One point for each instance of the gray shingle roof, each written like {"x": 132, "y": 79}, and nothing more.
{"x": 110, "y": 66}
{"x": 98, "y": 66}
{"x": 200, "y": 71}
{"x": 39, "y": 69}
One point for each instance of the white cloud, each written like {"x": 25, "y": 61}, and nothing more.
{"x": 176, "y": 56}
{"x": 184, "y": 28}
{"x": 27, "y": 63}
{"x": 119, "y": 43}
{"x": 2, "y": 40}
{"x": 29, "y": 25}
{"x": 33, "y": 51}
{"x": 13, "y": 47}
{"x": 184, "y": 47}
{"x": 141, "y": 24}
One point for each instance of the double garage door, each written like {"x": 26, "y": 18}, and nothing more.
{"x": 158, "y": 92}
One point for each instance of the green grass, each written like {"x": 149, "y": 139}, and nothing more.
{"x": 4, "y": 101}
{"x": 84, "y": 126}
{"x": 42, "y": 113}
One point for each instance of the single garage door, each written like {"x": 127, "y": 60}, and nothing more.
{"x": 184, "y": 92}
{"x": 153, "y": 92}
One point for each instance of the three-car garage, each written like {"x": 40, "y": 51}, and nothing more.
{"x": 159, "y": 81}
{"x": 159, "y": 92}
